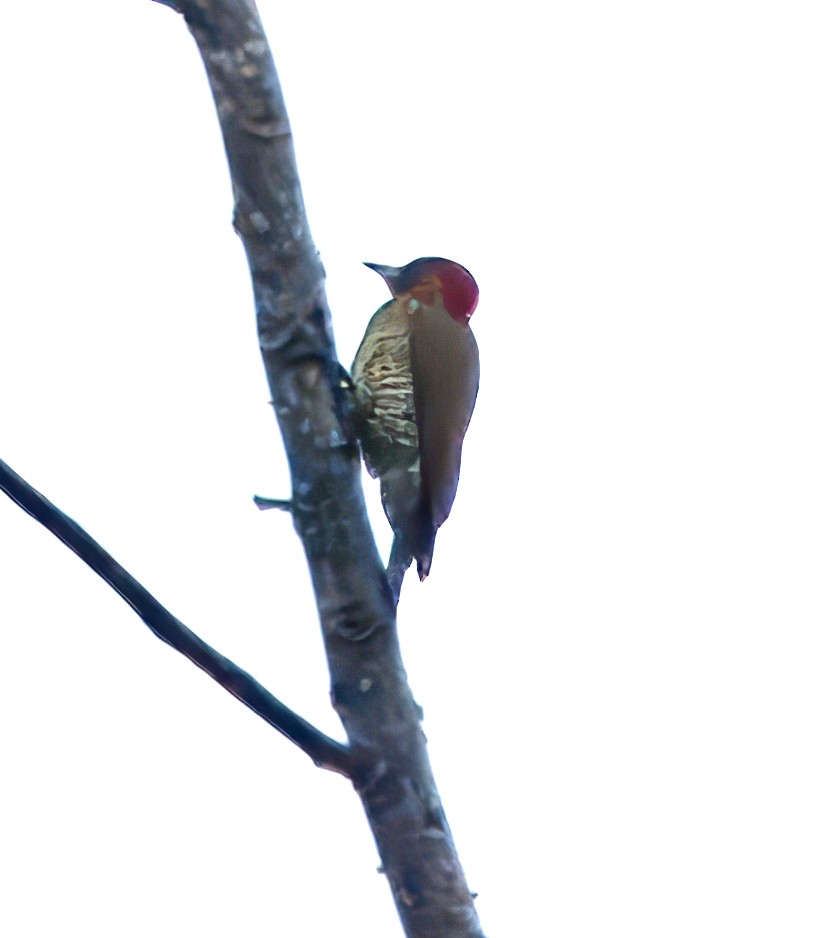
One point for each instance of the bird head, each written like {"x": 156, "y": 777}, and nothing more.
{"x": 424, "y": 278}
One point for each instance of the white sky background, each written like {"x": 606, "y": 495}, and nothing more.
{"x": 625, "y": 647}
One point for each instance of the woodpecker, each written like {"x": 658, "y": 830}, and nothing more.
{"x": 416, "y": 376}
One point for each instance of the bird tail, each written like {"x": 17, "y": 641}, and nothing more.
{"x": 411, "y": 521}
{"x": 415, "y": 544}
{"x": 398, "y": 563}
{"x": 423, "y": 546}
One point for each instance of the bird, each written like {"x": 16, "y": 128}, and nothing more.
{"x": 416, "y": 376}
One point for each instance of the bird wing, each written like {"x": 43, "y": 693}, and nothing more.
{"x": 446, "y": 370}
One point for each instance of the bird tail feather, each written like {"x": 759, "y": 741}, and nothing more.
{"x": 411, "y": 520}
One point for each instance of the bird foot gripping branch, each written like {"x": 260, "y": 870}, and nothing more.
{"x": 416, "y": 376}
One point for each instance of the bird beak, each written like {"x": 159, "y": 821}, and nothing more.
{"x": 389, "y": 274}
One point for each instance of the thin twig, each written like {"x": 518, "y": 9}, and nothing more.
{"x": 282, "y": 504}
{"x": 324, "y": 751}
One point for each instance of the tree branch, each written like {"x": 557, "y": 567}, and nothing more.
{"x": 323, "y": 750}
{"x": 387, "y": 759}
{"x": 313, "y": 404}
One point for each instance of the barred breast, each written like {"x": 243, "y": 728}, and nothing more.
{"x": 382, "y": 376}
